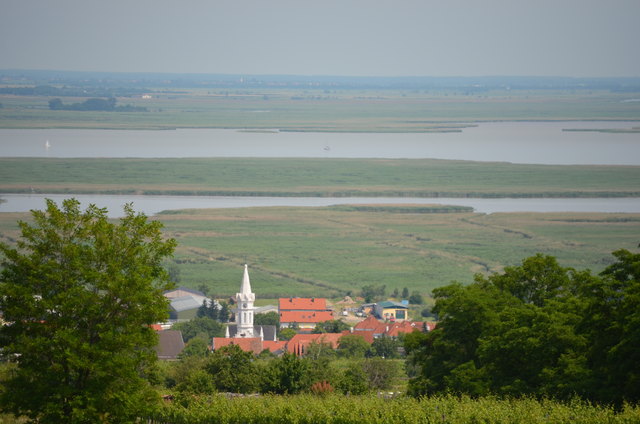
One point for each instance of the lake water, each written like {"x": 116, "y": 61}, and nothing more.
{"x": 518, "y": 142}
{"x": 151, "y": 205}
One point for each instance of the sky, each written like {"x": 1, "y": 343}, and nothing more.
{"x": 575, "y": 38}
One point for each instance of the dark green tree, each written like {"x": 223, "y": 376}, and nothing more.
{"x": 405, "y": 293}
{"x": 208, "y": 309}
{"x": 202, "y": 327}
{"x": 333, "y": 326}
{"x": 80, "y": 293}
{"x": 415, "y": 298}
{"x": 352, "y": 346}
{"x": 385, "y": 347}
{"x": 373, "y": 293}
{"x": 270, "y": 318}
{"x": 232, "y": 370}
{"x": 286, "y": 375}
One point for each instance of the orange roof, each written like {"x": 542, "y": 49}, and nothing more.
{"x": 366, "y": 335}
{"x": 371, "y": 326}
{"x": 299, "y": 343}
{"x": 305, "y": 316}
{"x": 274, "y": 346}
{"x": 249, "y": 344}
{"x": 302, "y": 304}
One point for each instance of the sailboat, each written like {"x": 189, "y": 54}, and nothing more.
{"x": 47, "y": 145}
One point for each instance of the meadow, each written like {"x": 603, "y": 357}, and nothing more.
{"x": 315, "y": 177}
{"x": 308, "y": 109}
{"x": 331, "y": 251}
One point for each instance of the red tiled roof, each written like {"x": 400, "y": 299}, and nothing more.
{"x": 374, "y": 327}
{"x": 299, "y": 343}
{"x": 302, "y": 304}
{"x": 249, "y": 344}
{"x": 305, "y": 316}
{"x": 274, "y": 346}
{"x": 369, "y": 324}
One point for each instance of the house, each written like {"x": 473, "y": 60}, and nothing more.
{"x": 302, "y": 304}
{"x": 303, "y": 313}
{"x": 184, "y": 303}
{"x": 371, "y": 329}
{"x": 170, "y": 345}
{"x": 305, "y": 321}
{"x": 300, "y": 342}
{"x": 391, "y": 311}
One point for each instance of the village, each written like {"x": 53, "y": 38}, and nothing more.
{"x": 301, "y": 322}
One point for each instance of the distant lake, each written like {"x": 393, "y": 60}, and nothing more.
{"x": 151, "y": 205}
{"x": 518, "y": 142}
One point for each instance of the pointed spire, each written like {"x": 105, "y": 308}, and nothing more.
{"x": 226, "y": 332}
{"x": 245, "y": 287}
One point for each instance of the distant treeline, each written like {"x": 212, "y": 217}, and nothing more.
{"x": 95, "y": 104}
{"x": 72, "y": 91}
{"x": 130, "y": 82}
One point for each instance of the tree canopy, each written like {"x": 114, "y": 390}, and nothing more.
{"x": 536, "y": 329}
{"x": 79, "y": 293}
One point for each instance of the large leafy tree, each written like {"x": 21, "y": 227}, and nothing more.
{"x": 79, "y": 293}
{"x": 537, "y": 329}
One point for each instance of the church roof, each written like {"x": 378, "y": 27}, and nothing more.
{"x": 305, "y": 316}
{"x": 302, "y": 304}
{"x": 268, "y": 331}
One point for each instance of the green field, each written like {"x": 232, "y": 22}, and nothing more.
{"x": 331, "y": 251}
{"x": 316, "y": 177}
{"x": 358, "y": 110}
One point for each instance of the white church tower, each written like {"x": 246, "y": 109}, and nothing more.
{"x": 244, "y": 310}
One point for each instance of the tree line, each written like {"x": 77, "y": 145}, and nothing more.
{"x": 94, "y": 104}
{"x": 536, "y": 329}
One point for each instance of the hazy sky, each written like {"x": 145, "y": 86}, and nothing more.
{"x": 325, "y": 37}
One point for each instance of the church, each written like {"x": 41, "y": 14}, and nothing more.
{"x": 244, "y": 333}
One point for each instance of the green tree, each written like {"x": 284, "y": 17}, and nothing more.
{"x": 270, "y": 318}
{"x": 287, "y": 333}
{"x": 195, "y": 347}
{"x": 286, "y": 375}
{"x": 202, "y": 327}
{"x": 381, "y": 374}
{"x": 373, "y": 293}
{"x": 352, "y": 346}
{"x": 208, "y": 309}
{"x": 80, "y": 293}
{"x": 332, "y": 326}
{"x": 415, "y": 298}
{"x": 232, "y": 370}
{"x": 385, "y": 347}
{"x": 405, "y": 293}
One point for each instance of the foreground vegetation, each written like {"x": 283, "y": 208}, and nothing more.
{"x": 372, "y": 409}
{"x": 315, "y": 177}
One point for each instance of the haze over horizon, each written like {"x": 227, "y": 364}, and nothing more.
{"x": 572, "y": 38}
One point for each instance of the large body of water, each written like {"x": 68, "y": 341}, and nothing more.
{"x": 518, "y": 142}
{"x": 151, "y": 205}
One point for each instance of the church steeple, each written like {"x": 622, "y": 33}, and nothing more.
{"x": 244, "y": 310}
